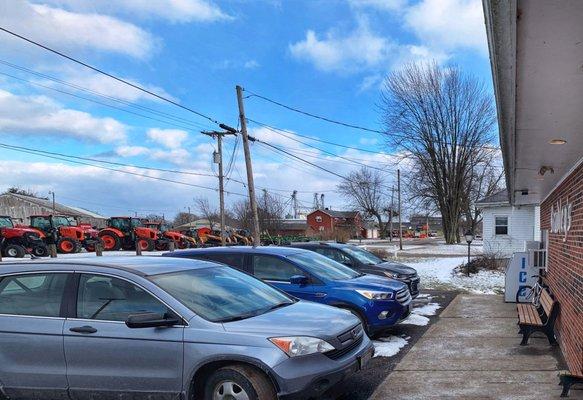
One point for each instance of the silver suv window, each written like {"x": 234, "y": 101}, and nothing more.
{"x": 111, "y": 299}
{"x": 38, "y": 295}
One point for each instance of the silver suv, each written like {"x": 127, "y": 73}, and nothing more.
{"x": 152, "y": 327}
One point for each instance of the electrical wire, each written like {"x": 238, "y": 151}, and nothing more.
{"x": 138, "y": 87}
{"x": 41, "y": 154}
{"x": 297, "y": 110}
{"x": 99, "y": 94}
{"x": 100, "y": 103}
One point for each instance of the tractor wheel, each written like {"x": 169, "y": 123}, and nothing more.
{"x": 40, "y": 251}
{"x": 14, "y": 250}
{"x": 92, "y": 246}
{"x": 162, "y": 245}
{"x": 66, "y": 245}
{"x": 182, "y": 244}
{"x": 146, "y": 244}
{"x": 111, "y": 242}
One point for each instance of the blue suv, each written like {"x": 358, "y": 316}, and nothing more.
{"x": 378, "y": 302}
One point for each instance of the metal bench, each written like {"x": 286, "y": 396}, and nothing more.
{"x": 538, "y": 319}
{"x": 567, "y": 379}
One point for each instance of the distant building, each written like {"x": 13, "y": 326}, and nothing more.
{"x": 293, "y": 227}
{"x": 21, "y": 207}
{"x": 331, "y": 223}
{"x": 506, "y": 228}
{"x": 370, "y": 230}
{"x": 418, "y": 222}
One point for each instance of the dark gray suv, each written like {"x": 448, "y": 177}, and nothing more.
{"x": 162, "y": 328}
{"x": 366, "y": 262}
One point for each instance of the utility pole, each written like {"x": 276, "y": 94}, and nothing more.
{"x": 218, "y": 159}
{"x": 392, "y": 211}
{"x": 295, "y": 203}
{"x": 322, "y": 201}
{"x": 399, "y": 205}
{"x": 250, "y": 183}
{"x": 188, "y": 214}
{"x": 53, "y": 194}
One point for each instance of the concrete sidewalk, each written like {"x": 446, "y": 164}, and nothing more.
{"x": 473, "y": 352}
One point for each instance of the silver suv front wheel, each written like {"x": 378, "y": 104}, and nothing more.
{"x": 239, "y": 382}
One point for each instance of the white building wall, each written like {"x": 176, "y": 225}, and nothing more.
{"x": 523, "y": 226}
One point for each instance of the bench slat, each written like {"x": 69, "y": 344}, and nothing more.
{"x": 546, "y": 302}
{"x": 527, "y": 315}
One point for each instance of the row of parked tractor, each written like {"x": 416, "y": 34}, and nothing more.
{"x": 121, "y": 233}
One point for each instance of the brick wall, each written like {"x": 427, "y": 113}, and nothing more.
{"x": 565, "y": 268}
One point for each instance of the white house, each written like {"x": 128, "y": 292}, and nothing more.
{"x": 507, "y": 228}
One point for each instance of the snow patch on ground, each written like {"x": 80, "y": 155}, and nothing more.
{"x": 439, "y": 273}
{"x": 427, "y": 310}
{"x": 388, "y": 346}
{"x": 415, "y": 319}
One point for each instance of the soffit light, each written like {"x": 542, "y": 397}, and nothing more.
{"x": 557, "y": 141}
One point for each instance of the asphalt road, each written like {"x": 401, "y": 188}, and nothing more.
{"x": 361, "y": 385}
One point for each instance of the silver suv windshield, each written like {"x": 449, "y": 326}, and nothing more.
{"x": 365, "y": 257}
{"x": 324, "y": 267}
{"x": 221, "y": 294}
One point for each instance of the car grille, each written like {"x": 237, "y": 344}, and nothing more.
{"x": 339, "y": 353}
{"x": 404, "y": 296}
{"x": 348, "y": 341}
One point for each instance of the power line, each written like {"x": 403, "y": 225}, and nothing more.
{"x": 98, "y": 94}
{"x": 40, "y": 153}
{"x": 297, "y": 110}
{"x": 327, "y": 152}
{"x": 110, "y": 75}
{"x": 271, "y": 127}
{"x": 99, "y": 102}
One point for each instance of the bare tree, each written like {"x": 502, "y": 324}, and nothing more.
{"x": 442, "y": 121}
{"x": 486, "y": 179}
{"x": 270, "y": 210}
{"x": 183, "y": 218}
{"x": 365, "y": 190}
{"x": 207, "y": 211}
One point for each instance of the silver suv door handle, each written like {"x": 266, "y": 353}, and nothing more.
{"x": 83, "y": 329}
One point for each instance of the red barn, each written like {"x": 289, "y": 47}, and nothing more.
{"x": 328, "y": 222}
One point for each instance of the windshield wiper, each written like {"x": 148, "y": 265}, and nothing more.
{"x": 237, "y": 317}
{"x": 284, "y": 304}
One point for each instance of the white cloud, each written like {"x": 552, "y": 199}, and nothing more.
{"x": 448, "y": 25}
{"x": 169, "y": 138}
{"x": 131, "y": 151}
{"x": 359, "y": 50}
{"x": 107, "y": 86}
{"x": 251, "y": 64}
{"x": 104, "y": 191}
{"x": 177, "y": 11}
{"x": 70, "y": 30}
{"x": 383, "y": 5}
{"x": 40, "y": 115}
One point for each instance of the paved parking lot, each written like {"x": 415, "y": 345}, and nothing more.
{"x": 360, "y": 386}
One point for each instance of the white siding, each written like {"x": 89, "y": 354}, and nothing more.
{"x": 523, "y": 226}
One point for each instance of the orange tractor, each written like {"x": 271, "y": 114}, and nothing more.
{"x": 209, "y": 237}
{"x": 127, "y": 233}
{"x": 17, "y": 240}
{"x": 64, "y": 232}
{"x": 180, "y": 240}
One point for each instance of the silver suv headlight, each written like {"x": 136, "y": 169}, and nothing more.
{"x": 376, "y": 295}
{"x": 295, "y": 346}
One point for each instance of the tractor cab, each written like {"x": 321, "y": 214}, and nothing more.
{"x": 6, "y": 222}
{"x": 64, "y": 231}
{"x": 17, "y": 240}
{"x": 127, "y": 232}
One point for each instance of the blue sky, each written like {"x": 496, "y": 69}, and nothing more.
{"x": 327, "y": 57}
